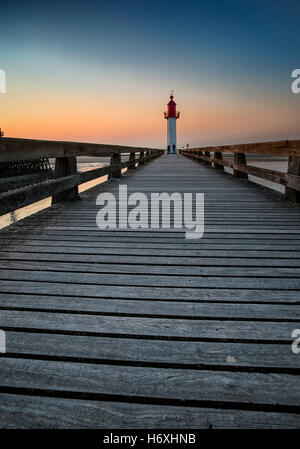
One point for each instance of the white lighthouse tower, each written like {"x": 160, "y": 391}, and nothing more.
{"x": 171, "y": 115}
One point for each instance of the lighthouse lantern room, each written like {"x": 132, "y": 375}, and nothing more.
{"x": 171, "y": 115}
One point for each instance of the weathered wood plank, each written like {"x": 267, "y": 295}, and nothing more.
{"x": 279, "y": 296}
{"x": 178, "y": 244}
{"x": 13, "y": 149}
{"x": 230, "y": 229}
{"x": 36, "y": 412}
{"x": 246, "y": 253}
{"x": 156, "y": 383}
{"x": 193, "y": 310}
{"x": 118, "y": 235}
{"x": 197, "y": 355}
{"x": 174, "y": 270}
{"x": 151, "y": 327}
{"x": 15, "y": 182}
{"x": 143, "y": 280}
{"x": 284, "y": 147}
{"x": 10, "y": 201}
{"x": 151, "y": 260}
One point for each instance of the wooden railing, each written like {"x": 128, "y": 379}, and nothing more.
{"x": 289, "y": 148}
{"x": 63, "y": 185}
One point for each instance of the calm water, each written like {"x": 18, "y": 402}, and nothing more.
{"x": 86, "y": 163}
{"x": 83, "y": 164}
{"x": 277, "y": 164}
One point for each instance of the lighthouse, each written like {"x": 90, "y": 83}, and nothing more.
{"x": 171, "y": 115}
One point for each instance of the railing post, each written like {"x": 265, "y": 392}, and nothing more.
{"x": 218, "y": 155}
{"x": 65, "y": 166}
{"x": 293, "y": 169}
{"x": 141, "y": 159}
{"x": 240, "y": 159}
{"x": 131, "y": 161}
{"x": 207, "y": 154}
{"x": 115, "y": 165}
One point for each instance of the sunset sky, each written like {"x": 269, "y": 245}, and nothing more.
{"x": 101, "y": 71}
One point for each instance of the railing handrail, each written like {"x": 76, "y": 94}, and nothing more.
{"x": 14, "y": 149}
{"x": 280, "y": 147}
{"x": 290, "y": 148}
{"x": 63, "y": 185}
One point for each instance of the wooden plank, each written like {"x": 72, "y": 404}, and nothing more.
{"x": 93, "y": 174}
{"x": 252, "y": 221}
{"x": 198, "y": 253}
{"x": 275, "y": 390}
{"x": 242, "y": 295}
{"x": 13, "y": 149}
{"x": 85, "y": 241}
{"x": 167, "y": 270}
{"x": 211, "y": 213}
{"x": 159, "y": 280}
{"x": 159, "y": 328}
{"x": 15, "y": 182}
{"x": 118, "y": 235}
{"x": 215, "y": 356}
{"x": 283, "y": 148}
{"x": 144, "y": 308}
{"x": 151, "y": 260}
{"x": 254, "y": 224}
{"x": 36, "y": 412}
{"x": 10, "y": 201}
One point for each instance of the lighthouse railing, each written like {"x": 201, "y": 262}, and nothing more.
{"x": 61, "y": 183}
{"x": 213, "y": 157}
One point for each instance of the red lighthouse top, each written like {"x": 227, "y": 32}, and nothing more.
{"x": 171, "y": 109}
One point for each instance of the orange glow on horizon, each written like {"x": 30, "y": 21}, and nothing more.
{"x": 208, "y": 119}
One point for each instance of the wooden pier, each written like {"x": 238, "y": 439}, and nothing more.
{"x": 143, "y": 328}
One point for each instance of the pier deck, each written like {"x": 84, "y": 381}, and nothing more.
{"x": 143, "y": 328}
